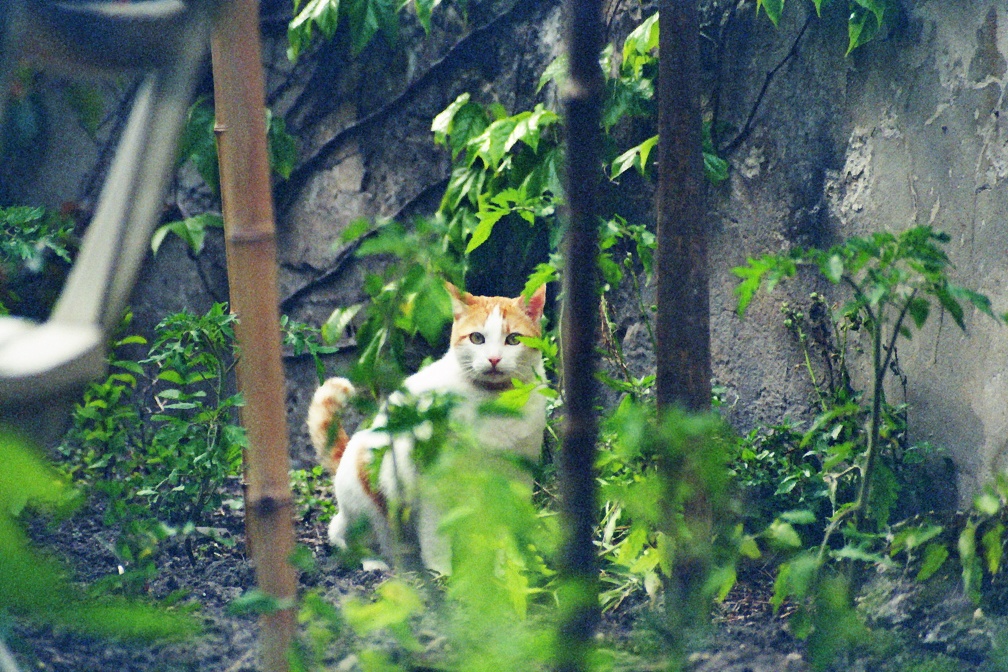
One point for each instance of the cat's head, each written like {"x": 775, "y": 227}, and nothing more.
{"x": 486, "y": 337}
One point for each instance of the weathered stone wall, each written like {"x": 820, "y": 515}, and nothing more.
{"x": 905, "y": 131}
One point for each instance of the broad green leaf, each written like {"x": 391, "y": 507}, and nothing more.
{"x": 487, "y": 220}
{"x": 992, "y": 541}
{"x": 442, "y": 124}
{"x": 919, "y": 310}
{"x": 935, "y": 555}
{"x": 282, "y": 146}
{"x": 715, "y": 168}
{"x": 432, "y": 310}
{"x": 635, "y": 157}
{"x": 949, "y": 303}
{"x": 773, "y": 9}
{"x": 638, "y": 45}
{"x": 782, "y": 534}
{"x": 987, "y": 503}
{"x": 320, "y": 14}
{"x": 556, "y": 71}
{"x": 798, "y": 517}
{"x": 339, "y": 320}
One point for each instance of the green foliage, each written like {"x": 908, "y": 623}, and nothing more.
{"x": 363, "y": 20}
{"x": 855, "y": 456}
{"x": 305, "y": 339}
{"x": 891, "y": 277}
{"x": 197, "y": 442}
{"x": 407, "y": 299}
{"x": 162, "y": 463}
{"x": 866, "y": 19}
{"x": 31, "y": 239}
{"x": 198, "y": 146}
{"x": 311, "y": 489}
{"x": 28, "y": 231}
{"x": 191, "y": 230}
{"x": 651, "y": 474}
{"x": 33, "y": 585}
{"x": 505, "y": 166}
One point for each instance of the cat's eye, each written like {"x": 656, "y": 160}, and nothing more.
{"x": 477, "y": 338}
{"x": 512, "y": 338}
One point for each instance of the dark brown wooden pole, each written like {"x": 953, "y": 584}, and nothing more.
{"x": 682, "y": 330}
{"x": 578, "y": 569}
{"x": 239, "y": 100}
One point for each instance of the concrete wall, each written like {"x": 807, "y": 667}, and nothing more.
{"x": 905, "y": 131}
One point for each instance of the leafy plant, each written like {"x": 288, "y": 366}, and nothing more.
{"x": 889, "y": 277}
{"x": 158, "y": 469}
{"x": 866, "y": 19}
{"x": 196, "y": 442}
{"x": 198, "y": 146}
{"x": 31, "y": 239}
{"x": 33, "y": 585}
{"x": 407, "y": 298}
{"x": 892, "y": 277}
{"x": 363, "y": 20}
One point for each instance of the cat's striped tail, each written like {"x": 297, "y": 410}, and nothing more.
{"x": 324, "y": 426}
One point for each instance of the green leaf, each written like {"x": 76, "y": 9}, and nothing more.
{"x": 833, "y": 268}
{"x": 339, "y": 320}
{"x": 715, "y": 168}
{"x": 949, "y": 303}
{"x": 424, "y": 9}
{"x": 782, "y": 534}
{"x": 442, "y": 124}
{"x": 556, "y": 71}
{"x": 914, "y": 537}
{"x": 799, "y": 517}
{"x": 980, "y": 301}
{"x": 773, "y": 9}
{"x": 919, "y": 310}
{"x": 321, "y": 14}
{"x": 935, "y": 555}
{"x": 192, "y": 230}
{"x": 987, "y": 503}
{"x": 282, "y": 146}
{"x": 635, "y": 157}
{"x": 396, "y": 603}
{"x": 638, "y": 46}
{"x": 992, "y": 541}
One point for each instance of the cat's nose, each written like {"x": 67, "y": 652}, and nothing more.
{"x": 494, "y": 361}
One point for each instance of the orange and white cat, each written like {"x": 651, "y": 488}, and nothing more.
{"x": 485, "y": 356}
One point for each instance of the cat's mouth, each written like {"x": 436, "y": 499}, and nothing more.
{"x": 495, "y": 381}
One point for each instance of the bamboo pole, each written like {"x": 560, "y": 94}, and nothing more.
{"x": 251, "y": 259}
{"x": 576, "y": 463}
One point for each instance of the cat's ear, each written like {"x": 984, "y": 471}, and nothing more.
{"x": 459, "y": 299}
{"x": 535, "y": 304}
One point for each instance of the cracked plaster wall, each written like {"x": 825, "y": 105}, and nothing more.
{"x": 907, "y": 130}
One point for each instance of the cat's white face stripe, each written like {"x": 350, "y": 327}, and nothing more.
{"x": 488, "y": 359}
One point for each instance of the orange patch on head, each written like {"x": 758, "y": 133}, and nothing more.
{"x": 471, "y": 313}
